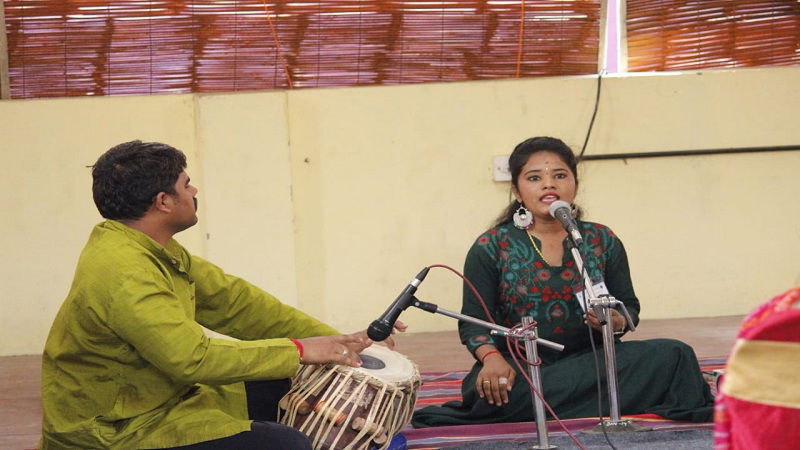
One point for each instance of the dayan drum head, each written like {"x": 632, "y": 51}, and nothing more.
{"x": 342, "y": 407}
{"x": 387, "y": 365}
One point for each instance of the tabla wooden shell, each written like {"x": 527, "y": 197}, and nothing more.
{"x": 342, "y": 407}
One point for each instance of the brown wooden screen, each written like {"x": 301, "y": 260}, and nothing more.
{"x": 93, "y": 47}
{"x": 710, "y": 34}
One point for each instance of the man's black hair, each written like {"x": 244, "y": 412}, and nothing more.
{"x": 127, "y": 178}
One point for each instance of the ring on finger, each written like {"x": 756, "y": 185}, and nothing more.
{"x": 344, "y": 352}
{"x": 487, "y": 382}
{"x": 502, "y": 380}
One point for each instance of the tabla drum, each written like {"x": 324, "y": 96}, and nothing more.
{"x": 343, "y": 407}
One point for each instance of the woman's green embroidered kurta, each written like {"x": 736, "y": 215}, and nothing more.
{"x": 657, "y": 376}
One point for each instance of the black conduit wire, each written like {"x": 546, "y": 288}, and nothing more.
{"x": 594, "y": 114}
{"x": 668, "y": 153}
{"x": 714, "y": 151}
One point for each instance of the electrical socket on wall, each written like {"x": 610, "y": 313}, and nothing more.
{"x": 500, "y": 170}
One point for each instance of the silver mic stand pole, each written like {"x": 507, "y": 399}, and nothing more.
{"x": 536, "y": 377}
{"x": 532, "y": 340}
{"x": 601, "y": 307}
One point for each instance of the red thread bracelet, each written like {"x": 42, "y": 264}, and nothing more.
{"x": 299, "y": 346}
{"x": 483, "y": 358}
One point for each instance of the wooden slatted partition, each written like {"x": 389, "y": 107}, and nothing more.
{"x": 94, "y": 47}
{"x": 711, "y": 34}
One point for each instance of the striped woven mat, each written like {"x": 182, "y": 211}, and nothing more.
{"x": 441, "y": 387}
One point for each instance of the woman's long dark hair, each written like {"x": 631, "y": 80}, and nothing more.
{"x": 519, "y": 157}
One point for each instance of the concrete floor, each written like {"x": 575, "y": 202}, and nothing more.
{"x": 20, "y": 410}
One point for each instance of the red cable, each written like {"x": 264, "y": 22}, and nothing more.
{"x": 471, "y": 286}
{"x": 521, "y": 32}
{"x": 513, "y": 349}
{"x": 278, "y": 47}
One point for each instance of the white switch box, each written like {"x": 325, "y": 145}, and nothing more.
{"x": 500, "y": 168}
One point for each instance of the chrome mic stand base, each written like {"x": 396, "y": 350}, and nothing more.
{"x": 542, "y": 447}
{"x": 617, "y": 426}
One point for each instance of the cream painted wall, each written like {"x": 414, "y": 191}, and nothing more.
{"x": 399, "y": 178}
{"x": 705, "y": 235}
{"x": 334, "y": 199}
{"x": 45, "y": 200}
{"x": 392, "y": 179}
{"x": 246, "y": 188}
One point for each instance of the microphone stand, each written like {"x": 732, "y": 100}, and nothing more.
{"x": 601, "y": 306}
{"x": 531, "y": 339}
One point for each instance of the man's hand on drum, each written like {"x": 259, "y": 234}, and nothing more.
{"x": 496, "y": 378}
{"x": 398, "y": 326}
{"x": 339, "y": 349}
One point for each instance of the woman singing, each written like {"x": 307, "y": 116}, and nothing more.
{"x": 523, "y": 266}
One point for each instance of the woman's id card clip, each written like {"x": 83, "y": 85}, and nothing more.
{"x": 599, "y": 289}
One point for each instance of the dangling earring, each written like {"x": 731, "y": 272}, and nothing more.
{"x": 522, "y": 217}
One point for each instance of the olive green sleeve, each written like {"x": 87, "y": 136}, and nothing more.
{"x": 147, "y": 315}
{"x": 232, "y": 306}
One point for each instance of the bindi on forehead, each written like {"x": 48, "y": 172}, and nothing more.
{"x": 554, "y": 161}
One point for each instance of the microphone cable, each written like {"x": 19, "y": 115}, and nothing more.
{"x": 585, "y": 273}
{"x": 512, "y": 349}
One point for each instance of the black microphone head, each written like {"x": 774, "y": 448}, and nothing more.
{"x": 558, "y": 204}
{"x": 378, "y": 331}
{"x": 562, "y": 211}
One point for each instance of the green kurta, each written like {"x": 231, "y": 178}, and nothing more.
{"x": 127, "y": 365}
{"x": 514, "y": 281}
{"x": 658, "y": 376}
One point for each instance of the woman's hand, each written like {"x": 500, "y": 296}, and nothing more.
{"x": 617, "y": 320}
{"x": 495, "y": 378}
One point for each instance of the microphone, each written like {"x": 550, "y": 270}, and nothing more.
{"x": 380, "y": 329}
{"x": 561, "y": 211}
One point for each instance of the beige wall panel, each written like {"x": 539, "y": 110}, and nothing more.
{"x": 398, "y": 178}
{"x": 246, "y": 188}
{"x": 46, "y": 200}
{"x": 698, "y": 110}
{"x": 705, "y": 235}
{"x": 383, "y": 181}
